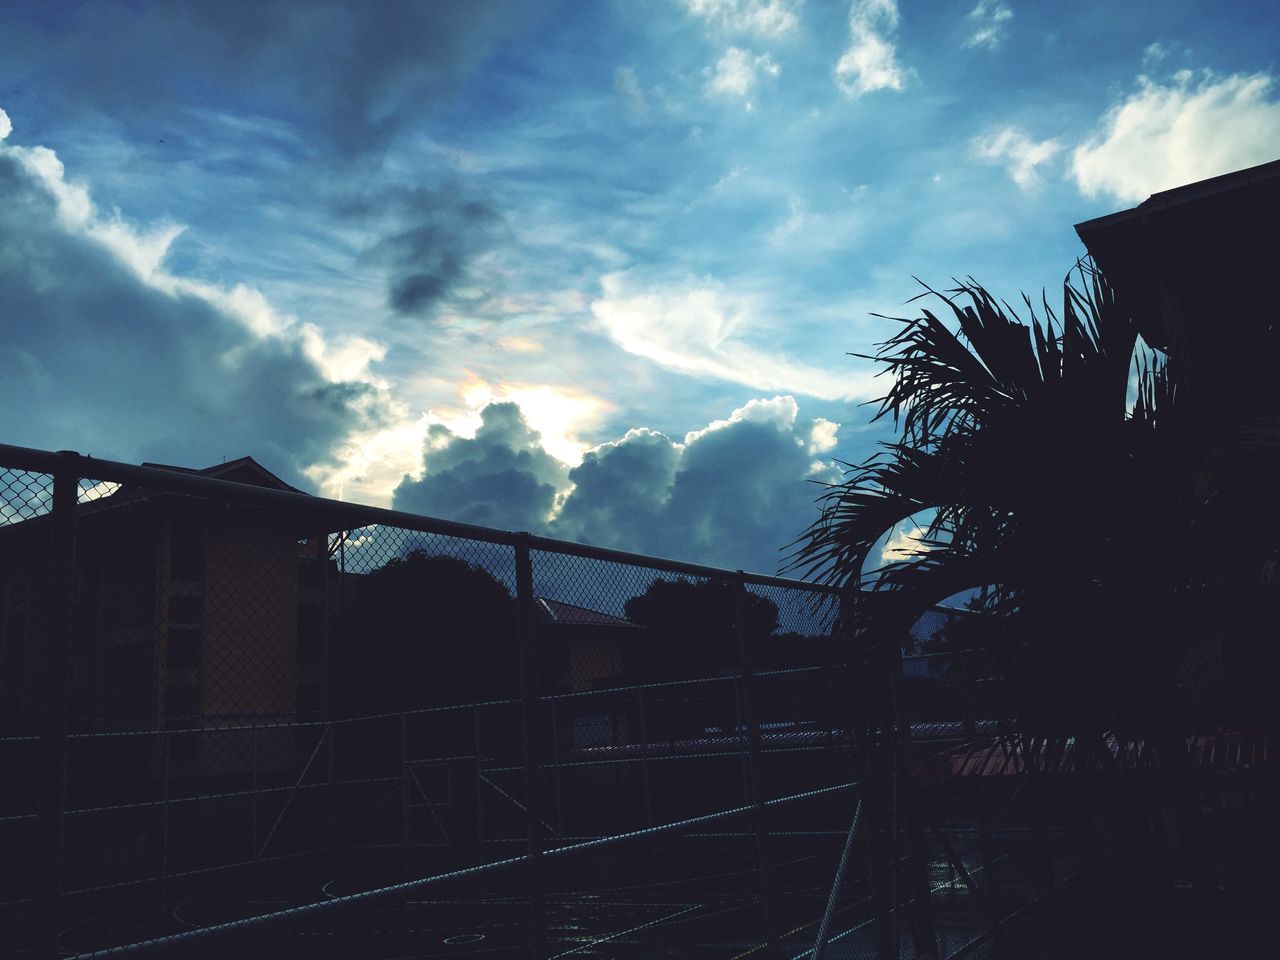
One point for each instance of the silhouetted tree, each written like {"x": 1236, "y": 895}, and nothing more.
{"x": 427, "y": 630}
{"x": 692, "y": 627}
{"x": 1129, "y": 551}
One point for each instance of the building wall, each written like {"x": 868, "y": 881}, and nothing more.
{"x": 249, "y": 662}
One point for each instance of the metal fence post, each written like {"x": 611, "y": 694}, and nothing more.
{"x": 56, "y": 643}
{"x": 923, "y": 933}
{"x": 751, "y": 710}
{"x": 526, "y": 626}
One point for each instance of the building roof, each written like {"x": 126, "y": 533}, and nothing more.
{"x": 1263, "y": 176}
{"x": 1185, "y": 262}
{"x": 242, "y": 470}
{"x": 561, "y": 614}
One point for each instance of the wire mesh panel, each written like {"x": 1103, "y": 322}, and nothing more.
{"x": 25, "y": 501}
{"x": 238, "y": 725}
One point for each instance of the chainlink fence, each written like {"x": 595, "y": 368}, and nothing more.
{"x": 236, "y": 720}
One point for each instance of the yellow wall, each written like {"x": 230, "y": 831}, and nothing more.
{"x": 249, "y": 662}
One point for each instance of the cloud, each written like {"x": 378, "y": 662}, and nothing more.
{"x": 904, "y": 543}
{"x": 626, "y": 83}
{"x": 699, "y": 328}
{"x": 352, "y": 74}
{"x": 501, "y": 477}
{"x": 762, "y": 18}
{"x": 729, "y": 494}
{"x": 1153, "y": 53}
{"x": 428, "y": 239}
{"x": 6, "y": 126}
{"x": 106, "y": 351}
{"x": 1021, "y": 155}
{"x": 986, "y": 23}
{"x": 870, "y": 62}
{"x": 736, "y": 73}
{"x": 1166, "y": 135}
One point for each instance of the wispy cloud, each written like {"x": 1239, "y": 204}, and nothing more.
{"x": 1021, "y": 155}
{"x": 870, "y": 61}
{"x": 762, "y": 18}
{"x": 986, "y": 24}
{"x": 1167, "y": 134}
{"x": 699, "y": 328}
{"x": 738, "y": 71}
{"x": 626, "y": 83}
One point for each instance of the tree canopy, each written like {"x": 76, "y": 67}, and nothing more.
{"x": 1115, "y": 512}
{"x": 427, "y": 629}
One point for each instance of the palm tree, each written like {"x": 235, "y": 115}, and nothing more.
{"x": 1086, "y": 486}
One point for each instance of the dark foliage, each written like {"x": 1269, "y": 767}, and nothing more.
{"x": 427, "y": 630}
{"x": 1128, "y": 554}
{"x": 692, "y": 627}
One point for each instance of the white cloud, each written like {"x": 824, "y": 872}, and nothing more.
{"x": 1167, "y": 135}
{"x": 870, "y": 62}
{"x": 6, "y": 126}
{"x": 232, "y": 369}
{"x": 986, "y": 22}
{"x": 904, "y": 543}
{"x": 737, "y": 72}
{"x": 699, "y": 328}
{"x": 1153, "y": 53}
{"x": 1021, "y": 155}
{"x": 763, "y": 18}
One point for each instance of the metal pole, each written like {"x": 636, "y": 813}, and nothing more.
{"x": 824, "y": 928}
{"x": 755, "y": 780}
{"x": 526, "y": 626}
{"x": 164, "y": 841}
{"x": 55, "y": 638}
{"x": 923, "y": 933}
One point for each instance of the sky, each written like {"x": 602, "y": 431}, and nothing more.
{"x": 592, "y": 270}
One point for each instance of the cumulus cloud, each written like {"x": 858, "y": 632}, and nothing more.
{"x": 986, "y": 24}
{"x": 1021, "y": 155}
{"x": 763, "y": 18}
{"x": 699, "y": 328}
{"x": 353, "y": 75}
{"x": 1164, "y": 135}
{"x": 737, "y": 72}
{"x": 729, "y": 494}
{"x": 501, "y": 477}
{"x": 870, "y": 62}
{"x": 105, "y": 351}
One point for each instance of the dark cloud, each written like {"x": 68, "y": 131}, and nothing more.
{"x": 731, "y": 496}
{"x": 429, "y": 238}
{"x": 95, "y": 359}
{"x": 500, "y": 478}
{"x": 351, "y": 74}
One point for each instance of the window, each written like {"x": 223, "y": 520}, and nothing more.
{"x": 185, "y": 553}
{"x": 184, "y": 610}
{"x": 184, "y": 649}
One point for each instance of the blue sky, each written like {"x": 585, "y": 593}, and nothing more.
{"x": 591, "y": 269}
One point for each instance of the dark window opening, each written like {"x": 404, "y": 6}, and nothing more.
{"x": 184, "y": 649}
{"x": 185, "y": 552}
{"x": 184, "y": 610}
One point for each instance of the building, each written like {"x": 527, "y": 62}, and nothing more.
{"x": 188, "y": 614}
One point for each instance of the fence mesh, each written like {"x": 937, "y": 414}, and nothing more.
{"x": 340, "y": 738}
